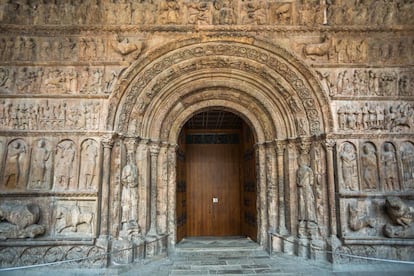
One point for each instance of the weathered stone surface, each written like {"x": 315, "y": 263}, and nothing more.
{"x": 94, "y": 94}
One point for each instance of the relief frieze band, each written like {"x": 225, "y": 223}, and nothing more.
{"x": 367, "y": 82}
{"x": 26, "y": 114}
{"x": 64, "y": 81}
{"x": 377, "y": 117}
{"x": 203, "y": 12}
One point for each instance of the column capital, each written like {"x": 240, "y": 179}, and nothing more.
{"x": 155, "y": 149}
{"x": 108, "y": 140}
{"x": 330, "y": 144}
{"x": 280, "y": 146}
{"x": 305, "y": 144}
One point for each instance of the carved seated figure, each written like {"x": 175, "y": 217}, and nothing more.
{"x": 401, "y": 215}
{"x": 19, "y": 221}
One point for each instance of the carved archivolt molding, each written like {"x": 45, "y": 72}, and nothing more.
{"x": 287, "y": 95}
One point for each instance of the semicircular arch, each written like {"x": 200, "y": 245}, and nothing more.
{"x": 284, "y": 90}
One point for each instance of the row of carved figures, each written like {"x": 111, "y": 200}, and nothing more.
{"x": 28, "y": 48}
{"x": 72, "y": 80}
{"x": 369, "y": 116}
{"x": 44, "y": 166}
{"x": 355, "y": 50}
{"x": 49, "y": 115}
{"x": 311, "y": 12}
{"x": 376, "y": 168}
{"x": 363, "y": 82}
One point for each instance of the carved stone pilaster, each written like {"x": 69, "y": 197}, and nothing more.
{"x": 162, "y": 189}
{"x": 261, "y": 179}
{"x": 107, "y": 143}
{"x": 171, "y": 205}
{"x": 330, "y": 145}
{"x": 154, "y": 152}
{"x": 280, "y": 155}
{"x": 272, "y": 184}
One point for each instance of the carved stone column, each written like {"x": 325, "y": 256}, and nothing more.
{"x": 154, "y": 152}
{"x": 271, "y": 187}
{"x": 107, "y": 144}
{"x": 280, "y": 154}
{"x": 261, "y": 180}
{"x": 172, "y": 185}
{"x": 330, "y": 144}
{"x": 162, "y": 189}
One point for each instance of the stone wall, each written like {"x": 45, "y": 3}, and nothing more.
{"x": 88, "y": 168}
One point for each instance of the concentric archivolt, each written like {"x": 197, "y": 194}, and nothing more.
{"x": 264, "y": 84}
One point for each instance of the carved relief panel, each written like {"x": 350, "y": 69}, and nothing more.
{"x": 65, "y": 170}
{"x": 383, "y": 218}
{"x": 309, "y": 13}
{"x": 366, "y": 167}
{"x": 42, "y": 114}
{"x": 397, "y": 117}
{"x": 92, "y": 80}
{"x": 89, "y": 165}
{"x": 16, "y": 165}
{"x": 354, "y": 83}
{"x": 41, "y": 166}
{"x": 74, "y": 218}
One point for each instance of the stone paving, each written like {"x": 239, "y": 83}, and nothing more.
{"x": 228, "y": 256}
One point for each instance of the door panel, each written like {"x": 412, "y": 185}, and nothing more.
{"x": 249, "y": 188}
{"x": 213, "y": 172}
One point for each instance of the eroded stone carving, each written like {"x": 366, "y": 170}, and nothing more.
{"x": 45, "y": 114}
{"x": 306, "y": 197}
{"x": 358, "y": 220}
{"x": 169, "y": 12}
{"x": 363, "y": 82}
{"x": 40, "y": 166}
{"x": 126, "y": 48}
{"x": 16, "y": 164}
{"x": 224, "y": 14}
{"x": 89, "y": 169}
{"x": 19, "y": 220}
{"x": 407, "y": 163}
{"x": 64, "y": 165}
{"x": 369, "y": 168}
{"x": 348, "y": 165}
{"x": 396, "y": 117}
{"x": 73, "y": 217}
{"x": 199, "y": 12}
{"x": 401, "y": 215}
{"x": 390, "y": 167}
{"x": 129, "y": 179}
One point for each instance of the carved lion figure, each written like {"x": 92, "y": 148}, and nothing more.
{"x": 399, "y": 212}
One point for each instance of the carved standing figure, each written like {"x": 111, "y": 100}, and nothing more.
{"x": 349, "y": 167}
{"x": 14, "y": 164}
{"x": 64, "y": 161}
{"x": 40, "y": 166}
{"x": 129, "y": 194}
{"x": 305, "y": 183}
{"x": 389, "y": 165}
{"x": 369, "y": 166}
{"x": 88, "y": 164}
{"x": 407, "y": 162}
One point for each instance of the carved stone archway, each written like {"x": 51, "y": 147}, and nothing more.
{"x": 268, "y": 87}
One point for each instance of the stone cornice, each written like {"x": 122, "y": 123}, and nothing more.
{"x": 81, "y": 29}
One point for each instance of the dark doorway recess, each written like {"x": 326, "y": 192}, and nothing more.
{"x": 216, "y": 177}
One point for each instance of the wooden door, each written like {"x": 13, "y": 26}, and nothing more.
{"x": 213, "y": 184}
{"x": 249, "y": 187}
